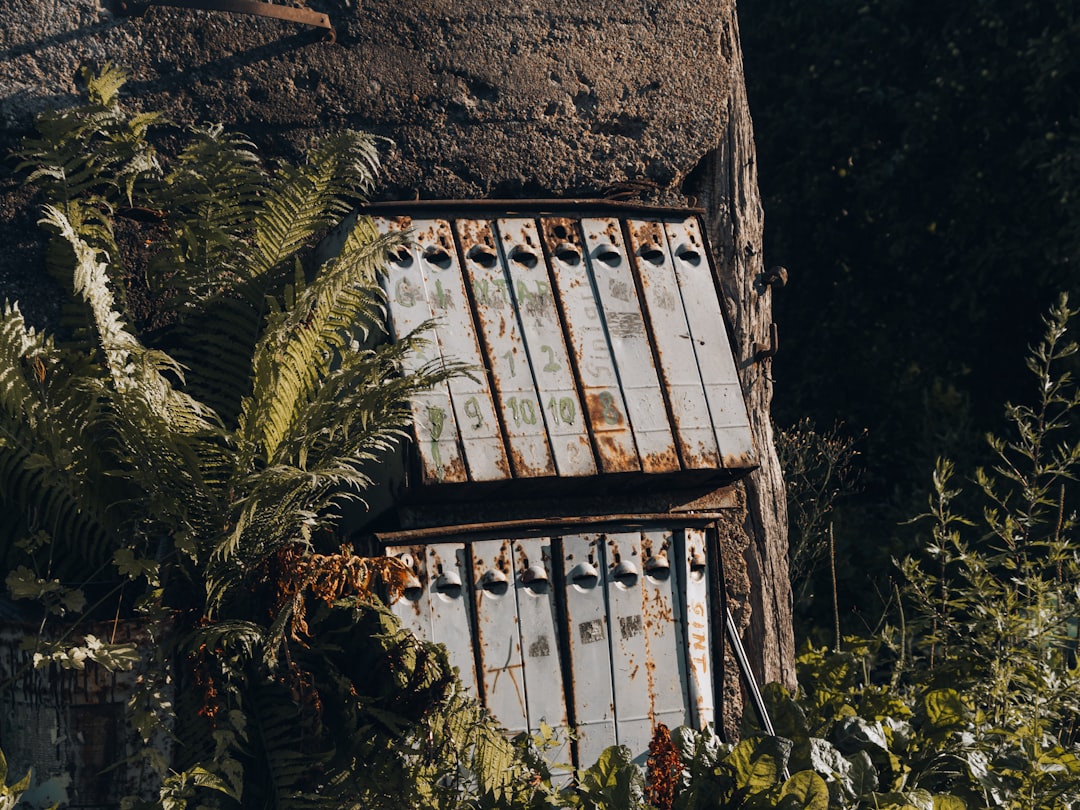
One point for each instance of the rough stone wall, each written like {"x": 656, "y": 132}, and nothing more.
{"x": 478, "y": 99}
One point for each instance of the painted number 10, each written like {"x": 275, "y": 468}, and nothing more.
{"x": 562, "y": 410}
{"x": 523, "y": 410}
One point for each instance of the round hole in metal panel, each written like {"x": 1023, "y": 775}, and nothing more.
{"x": 494, "y": 582}
{"x": 483, "y": 256}
{"x": 584, "y": 576}
{"x": 657, "y": 568}
{"x": 438, "y": 257}
{"x": 652, "y": 254}
{"x": 625, "y": 574}
{"x": 689, "y": 255}
{"x": 411, "y": 588}
{"x": 607, "y": 254}
{"x": 697, "y": 564}
{"x": 535, "y": 579}
{"x": 568, "y": 254}
{"x": 448, "y": 585}
{"x": 523, "y": 256}
{"x": 402, "y": 258}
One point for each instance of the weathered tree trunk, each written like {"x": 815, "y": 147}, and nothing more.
{"x": 725, "y": 184}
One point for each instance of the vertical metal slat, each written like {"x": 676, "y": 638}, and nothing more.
{"x": 522, "y": 420}
{"x": 629, "y": 341}
{"x": 482, "y": 442}
{"x": 715, "y": 361}
{"x": 604, "y": 404}
{"x": 587, "y": 640}
{"x": 540, "y": 648}
{"x": 629, "y": 654}
{"x": 433, "y": 415}
{"x": 448, "y": 575}
{"x": 664, "y": 633}
{"x": 413, "y": 608}
{"x": 530, "y": 286}
{"x": 498, "y": 635}
{"x": 672, "y": 339}
{"x": 693, "y": 571}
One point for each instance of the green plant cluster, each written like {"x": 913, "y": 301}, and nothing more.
{"x": 178, "y": 455}
{"x": 938, "y": 151}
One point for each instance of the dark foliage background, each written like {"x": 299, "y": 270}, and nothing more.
{"x": 920, "y": 165}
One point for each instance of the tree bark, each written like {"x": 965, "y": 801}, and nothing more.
{"x": 725, "y": 184}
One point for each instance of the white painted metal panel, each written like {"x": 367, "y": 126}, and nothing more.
{"x": 413, "y": 607}
{"x": 675, "y": 351}
{"x": 715, "y": 361}
{"x": 629, "y": 341}
{"x": 498, "y": 636}
{"x": 694, "y": 577}
{"x": 448, "y": 574}
{"x": 587, "y": 639}
{"x": 540, "y": 650}
{"x": 664, "y": 635}
{"x": 520, "y": 408}
{"x": 474, "y": 410}
{"x": 604, "y": 405}
{"x": 629, "y": 655}
{"x": 434, "y": 425}
{"x": 530, "y": 286}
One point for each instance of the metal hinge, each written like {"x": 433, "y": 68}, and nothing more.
{"x": 293, "y": 12}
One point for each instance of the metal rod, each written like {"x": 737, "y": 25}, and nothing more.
{"x": 751, "y": 682}
{"x": 304, "y": 16}
{"x": 537, "y": 207}
{"x": 543, "y": 525}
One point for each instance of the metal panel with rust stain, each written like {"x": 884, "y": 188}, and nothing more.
{"x": 530, "y": 287}
{"x": 434, "y": 426}
{"x": 629, "y": 341}
{"x": 587, "y": 641}
{"x": 498, "y": 637}
{"x": 448, "y": 573}
{"x": 413, "y": 607}
{"x": 474, "y": 409}
{"x": 693, "y": 576}
{"x": 540, "y": 647}
{"x": 673, "y": 343}
{"x": 664, "y": 633}
{"x": 715, "y": 361}
{"x": 605, "y": 408}
{"x": 504, "y": 348}
{"x": 629, "y": 653}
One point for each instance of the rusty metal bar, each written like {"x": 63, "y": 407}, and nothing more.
{"x": 537, "y": 207}
{"x": 289, "y": 13}
{"x": 544, "y": 526}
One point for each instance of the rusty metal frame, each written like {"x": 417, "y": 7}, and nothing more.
{"x": 545, "y": 526}
{"x": 258, "y": 8}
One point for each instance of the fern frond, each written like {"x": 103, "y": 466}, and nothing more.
{"x": 50, "y": 461}
{"x": 97, "y": 150}
{"x": 300, "y": 346}
{"x": 212, "y": 198}
{"x": 104, "y": 86}
{"x": 304, "y": 200}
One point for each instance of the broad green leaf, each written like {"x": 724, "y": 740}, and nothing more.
{"x": 757, "y": 763}
{"x": 945, "y": 709}
{"x": 857, "y": 734}
{"x": 863, "y": 776}
{"x": 133, "y": 567}
{"x": 944, "y": 801}
{"x": 805, "y": 790}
